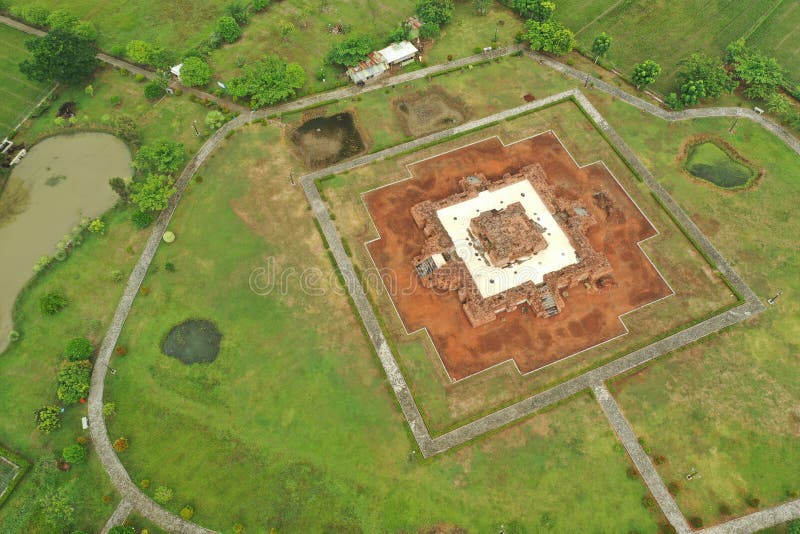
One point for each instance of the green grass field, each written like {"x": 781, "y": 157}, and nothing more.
{"x": 667, "y": 32}
{"x": 295, "y": 414}
{"x": 729, "y": 402}
{"x": 177, "y": 25}
{"x": 18, "y": 95}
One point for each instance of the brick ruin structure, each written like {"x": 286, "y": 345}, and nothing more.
{"x": 506, "y": 237}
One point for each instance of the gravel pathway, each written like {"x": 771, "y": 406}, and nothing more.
{"x": 121, "y": 513}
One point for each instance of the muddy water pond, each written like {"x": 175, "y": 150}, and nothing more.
{"x": 61, "y": 180}
{"x": 326, "y": 140}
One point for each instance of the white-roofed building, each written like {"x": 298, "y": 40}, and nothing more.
{"x": 382, "y": 60}
{"x": 399, "y": 53}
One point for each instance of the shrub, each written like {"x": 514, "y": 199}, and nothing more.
{"x": 752, "y": 501}
{"x": 429, "y": 30}
{"x": 215, "y": 119}
{"x": 187, "y": 512}
{"x": 74, "y": 454}
{"x": 78, "y": 348}
{"x": 648, "y": 502}
{"x": 260, "y": 5}
{"x": 120, "y": 350}
{"x": 122, "y": 529}
{"x": 142, "y": 219}
{"x": 724, "y": 509}
{"x": 154, "y": 90}
{"x": 83, "y": 440}
{"x": 145, "y": 483}
{"x": 121, "y": 444}
{"x": 52, "y": 303}
{"x": 195, "y": 72}
{"x": 696, "y": 522}
{"x": 169, "y": 267}
{"x": 13, "y": 336}
{"x": 74, "y": 380}
{"x": 116, "y": 275}
{"x": 115, "y": 100}
{"x": 48, "y": 418}
{"x": 139, "y": 77}
{"x": 674, "y": 488}
{"x": 228, "y": 29}
{"x": 632, "y": 472}
{"x": 163, "y": 495}
{"x": 109, "y": 409}
{"x": 659, "y": 459}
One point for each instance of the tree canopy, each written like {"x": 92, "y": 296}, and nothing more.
{"x": 153, "y": 193}
{"x": 162, "y": 157}
{"x": 551, "y": 37}
{"x": 350, "y": 51}
{"x": 645, "y": 73}
{"x": 228, "y": 29}
{"x": 760, "y": 73}
{"x": 59, "y": 56}
{"x": 268, "y": 81}
{"x": 437, "y": 12}
{"x": 73, "y": 381}
{"x": 708, "y": 70}
{"x": 601, "y": 45}
{"x": 195, "y": 72}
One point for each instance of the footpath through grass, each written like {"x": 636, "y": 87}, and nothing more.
{"x": 18, "y": 95}
{"x": 726, "y": 406}
{"x": 293, "y": 427}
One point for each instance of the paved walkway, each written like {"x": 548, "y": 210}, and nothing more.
{"x": 121, "y": 513}
{"x": 640, "y": 459}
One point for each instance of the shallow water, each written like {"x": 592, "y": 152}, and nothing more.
{"x": 193, "y": 341}
{"x": 61, "y": 180}
{"x": 709, "y": 162}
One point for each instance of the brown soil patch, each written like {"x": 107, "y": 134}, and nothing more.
{"x": 589, "y": 317}
{"x": 322, "y": 141}
{"x": 429, "y": 111}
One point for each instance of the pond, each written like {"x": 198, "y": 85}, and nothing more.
{"x": 710, "y": 162}
{"x": 193, "y": 341}
{"x": 61, "y": 180}
{"x": 326, "y": 140}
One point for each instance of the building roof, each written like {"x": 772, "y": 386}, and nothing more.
{"x": 373, "y": 66}
{"x": 398, "y": 51}
{"x": 176, "y": 70}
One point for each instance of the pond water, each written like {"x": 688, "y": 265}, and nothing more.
{"x": 709, "y": 162}
{"x": 61, "y": 180}
{"x": 326, "y": 140}
{"x": 193, "y": 341}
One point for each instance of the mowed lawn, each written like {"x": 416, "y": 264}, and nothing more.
{"x": 177, "y": 24}
{"x": 726, "y": 406}
{"x": 18, "y": 95}
{"x": 668, "y": 32}
{"x": 779, "y": 35}
{"x": 294, "y": 427}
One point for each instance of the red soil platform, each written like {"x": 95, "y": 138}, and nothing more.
{"x": 589, "y": 316}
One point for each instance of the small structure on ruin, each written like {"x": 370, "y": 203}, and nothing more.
{"x": 507, "y": 243}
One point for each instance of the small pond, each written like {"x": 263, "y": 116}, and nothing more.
{"x": 709, "y": 162}
{"x": 61, "y": 180}
{"x": 325, "y": 140}
{"x": 193, "y": 341}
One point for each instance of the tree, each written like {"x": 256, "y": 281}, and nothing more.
{"x": 125, "y": 128}
{"x": 57, "y": 509}
{"x": 153, "y": 193}
{"x": 240, "y": 12}
{"x": 154, "y": 90}
{"x": 349, "y": 52}
{"x": 86, "y": 30}
{"x": 162, "y": 495}
{"x": 53, "y": 302}
{"x": 36, "y": 15}
{"x": 161, "y": 157}
{"x": 543, "y": 11}
{"x": 260, "y": 5}
{"x": 195, "y": 72}
{"x": 778, "y": 104}
{"x": 215, "y": 119}
{"x": 139, "y": 51}
{"x": 691, "y": 92}
{"x": 74, "y": 380}
{"x": 268, "y": 81}
{"x": 481, "y": 6}
{"x": 429, "y": 31}
{"x": 551, "y": 37}
{"x": 601, "y": 45}
{"x": 78, "y": 348}
{"x": 710, "y": 71}
{"x": 525, "y": 8}
{"x": 59, "y": 56}
{"x": 645, "y": 73}
{"x": 48, "y": 418}
{"x": 437, "y": 12}
{"x": 228, "y": 29}
{"x": 74, "y": 454}
{"x": 61, "y": 20}
{"x": 761, "y": 74}
{"x": 286, "y": 29}
{"x": 120, "y": 187}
